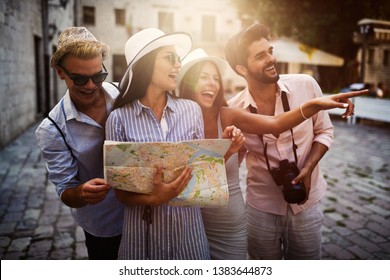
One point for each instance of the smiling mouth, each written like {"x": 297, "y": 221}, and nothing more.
{"x": 87, "y": 92}
{"x": 173, "y": 75}
{"x": 208, "y": 93}
{"x": 271, "y": 68}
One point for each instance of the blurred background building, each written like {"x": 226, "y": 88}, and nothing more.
{"x": 374, "y": 54}
{"x": 29, "y": 31}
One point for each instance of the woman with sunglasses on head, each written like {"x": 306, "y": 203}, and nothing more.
{"x": 71, "y": 140}
{"x": 146, "y": 110}
{"x": 200, "y": 80}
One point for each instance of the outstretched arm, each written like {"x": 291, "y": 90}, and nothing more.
{"x": 261, "y": 124}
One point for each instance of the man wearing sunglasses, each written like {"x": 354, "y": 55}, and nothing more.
{"x": 71, "y": 140}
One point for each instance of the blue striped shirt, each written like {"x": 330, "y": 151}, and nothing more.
{"x": 176, "y": 233}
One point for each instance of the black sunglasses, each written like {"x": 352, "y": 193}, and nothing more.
{"x": 82, "y": 80}
{"x": 172, "y": 58}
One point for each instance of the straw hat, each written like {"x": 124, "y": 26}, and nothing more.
{"x": 147, "y": 40}
{"x": 196, "y": 56}
{"x": 72, "y": 37}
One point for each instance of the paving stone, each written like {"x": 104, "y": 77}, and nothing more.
{"x": 5, "y": 241}
{"x": 20, "y": 244}
{"x": 14, "y": 256}
{"x": 43, "y": 232}
{"x": 81, "y": 251}
{"x": 11, "y": 217}
{"x": 80, "y": 235}
{"x": 62, "y": 254}
{"x": 47, "y": 219}
{"x": 40, "y": 249}
{"x": 64, "y": 240}
{"x": 363, "y": 242}
{"x": 338, "y": 253}
{"x": 25, "y": 225}
{"x": 359, "y": 252}
{"x": 7, "y": 228}
{"x": 379, "y": 210}
{"x": 370, "y": 235}
{"x": 32, "y": 214}
{"x": 65, "y": 222}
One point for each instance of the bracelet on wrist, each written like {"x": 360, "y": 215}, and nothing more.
{"x": 303, "y": 115}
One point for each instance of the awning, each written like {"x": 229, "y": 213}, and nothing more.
{"x": 290, "y": 51}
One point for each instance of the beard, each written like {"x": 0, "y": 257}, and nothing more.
{"x": 263, "y": 78}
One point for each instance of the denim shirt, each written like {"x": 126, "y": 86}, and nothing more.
{"x": 85, "y": 137}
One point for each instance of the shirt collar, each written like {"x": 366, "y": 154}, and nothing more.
{"x": 69, "y": 108}
{"x": 171, "y": 105}
{"x": 282, "y": 87}
{"x": 110, "y": 93}
{"x": 248, "y": 99}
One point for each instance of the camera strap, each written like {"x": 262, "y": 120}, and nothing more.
{"x": 286, "y": 107}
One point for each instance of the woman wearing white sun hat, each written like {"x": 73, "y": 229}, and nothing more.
{"x": 200, "y": 80}
{"x": 147, "y": 110}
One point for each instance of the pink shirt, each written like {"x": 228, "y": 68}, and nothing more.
{"x": 262, "y": 192}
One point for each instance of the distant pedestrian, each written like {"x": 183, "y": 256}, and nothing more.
{"x": 381, "y": 90}
{"x": 71, "y": 140}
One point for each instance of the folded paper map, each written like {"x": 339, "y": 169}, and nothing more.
{"x": 131, "y": 166}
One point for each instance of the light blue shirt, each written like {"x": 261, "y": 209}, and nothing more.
{"x": 176, "y": 233}
{"x": 85, "y": 137}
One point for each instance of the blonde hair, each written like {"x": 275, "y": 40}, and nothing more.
{"x": 86, "y": 50}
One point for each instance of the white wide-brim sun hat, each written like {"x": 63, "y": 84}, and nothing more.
{"x": 196, "y": 56}
{"x": 147, "y": 40}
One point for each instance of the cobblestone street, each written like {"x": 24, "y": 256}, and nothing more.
{"x": 35, "y": 225}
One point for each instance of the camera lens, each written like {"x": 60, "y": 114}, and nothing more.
{"x": 294, "y": 193}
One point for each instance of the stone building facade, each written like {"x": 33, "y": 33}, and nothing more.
{"x": 29, "y": 31}
{"x": 209, "y": 23}
{"x": 374, "y": 54}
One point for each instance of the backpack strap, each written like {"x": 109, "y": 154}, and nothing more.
{"x": 62, "y": 134}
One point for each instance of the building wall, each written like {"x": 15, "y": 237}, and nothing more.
{"x": 22, "y": 66}
{"x": 187, "y": 17}
{"x": 376, "y": 72}
{"x": 20, "y": 21}
{"x": 377, "y": 42}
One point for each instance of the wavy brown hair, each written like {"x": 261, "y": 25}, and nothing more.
{"x": 190, "y": 79}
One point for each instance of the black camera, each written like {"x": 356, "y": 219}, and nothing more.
{"x": 283, "y": 175}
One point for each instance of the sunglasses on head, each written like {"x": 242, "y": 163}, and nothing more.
{"x": 82, "y": 80}
{"x": 172, "y": 58}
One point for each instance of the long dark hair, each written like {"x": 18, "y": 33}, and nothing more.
{"x": 190, "y": 79}
{"x": 142, "y": 75}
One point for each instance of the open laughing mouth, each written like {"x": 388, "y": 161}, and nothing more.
{"x": 271, "y": 68}
{"x": 209, "y": 94}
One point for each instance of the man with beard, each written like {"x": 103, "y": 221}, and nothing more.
{"x": 284, "y": 181}
{"x": 71, "y": 140}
